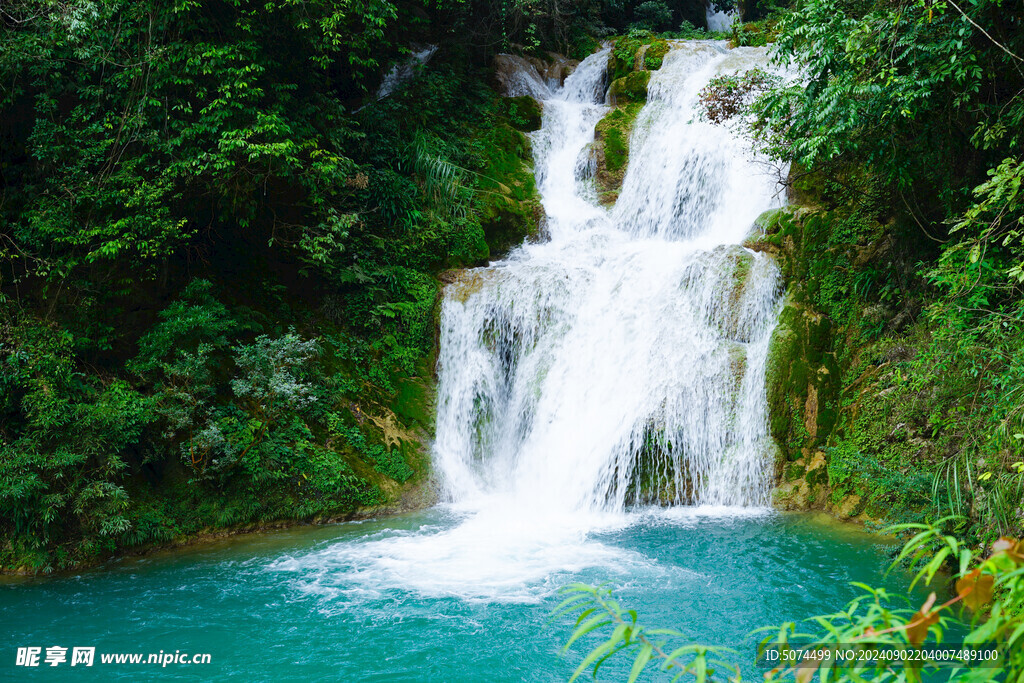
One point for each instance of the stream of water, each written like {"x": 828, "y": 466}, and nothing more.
{"x": 615, "y": 364}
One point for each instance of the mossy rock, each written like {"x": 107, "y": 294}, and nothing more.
{"x": 624, "y": 57}
{"x": 803, "y": 380}
{"x": 782, "y": 350}
{"x": 413, "y": 401}
{"x": 654, "y": 55}
{"x": 510, "y": 210}
{"x": 627, "y": 94}
{"x": 523, "y": 113}
{"x": 737, "y": 363}
{"x": 613, "y": 132}
{"x": 629, "y": 88}
{"x": 655, "y": 478}
{"x": 770, "y": 221}
{"x": 636, "y": 54}
{"x": 803, "y": 483}
{"x": 611, "y": 150}
{"x": 736, "y": 264}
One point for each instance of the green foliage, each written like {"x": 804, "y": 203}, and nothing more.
{"x": 62, "y": 448}
{"x": 688, "y": 31}
{"x": 137, "y": 109}
{"x": 988, "y": 604}
{"x": 523, "y": 113}
{"x": 654, "y": 56}
{"x": 994, "y": 222}
{"x": 387, "y": 460}
{"x": 638, "y": 51}
{"x": 652, "y": 15}
{"x": 893, "y": 482}
{"x": 222, "y": 252}
{"x": 887, "y": 81}
{"x": 755, "y": 33}
{"x": 667, "y": 648}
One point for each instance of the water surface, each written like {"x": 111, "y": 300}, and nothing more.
{"x": 309, "y": 604}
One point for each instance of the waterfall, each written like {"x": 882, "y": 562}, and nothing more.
{"x": 617, "y": 364}
{"x": 621, "y": 361}
{"x": 403, "y": 71}
{"x": 720, "y": 20}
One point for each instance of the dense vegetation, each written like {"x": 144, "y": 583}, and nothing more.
{"x": 220, "y": 250}
{"x": 916, "y": 131}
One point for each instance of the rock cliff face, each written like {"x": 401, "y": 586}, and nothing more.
{"x": 851, "y": 433}
{"x": 804, "y": 376}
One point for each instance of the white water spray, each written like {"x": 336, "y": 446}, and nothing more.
{"x": 720, "y": 20}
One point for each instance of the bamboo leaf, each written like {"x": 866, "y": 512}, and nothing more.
{"x": 639, "y": 663}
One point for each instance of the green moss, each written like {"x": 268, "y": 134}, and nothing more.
{"x": 413, "y": 402}
{"x": 583, "y": 46}
{"x": 613, "y": 131}
{"x": 740, "y": 261}
{"x": 630, "y": 88}
{"x": 523, "y": 113}
{"x": 509, "y": 208}
{"x": 628, "y": 94}
{"x": 803, "y": 380}
{"x": 611, "y": 149}
{"x": 634, "y": 54}
{"x": 769, "y": 222}
{"x": 655, "y": 54}
{"x": 782, "y": 349}
{"x": 755, "y": 33}
{"x": 622, "y": 59}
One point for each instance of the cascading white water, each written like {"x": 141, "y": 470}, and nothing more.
{"x": 720, "y": 20}
{"x": 622, "y": 360}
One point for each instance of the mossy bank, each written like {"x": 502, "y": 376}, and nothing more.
{"x": 874, "y": 418}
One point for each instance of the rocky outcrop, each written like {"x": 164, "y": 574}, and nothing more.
{"x": 803, "y": 375}
{"x": 516, "y": 75}
{"x": 855, "y": 438}
{"x": 627, "y": 94}
{"x": 610, "y": 150}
